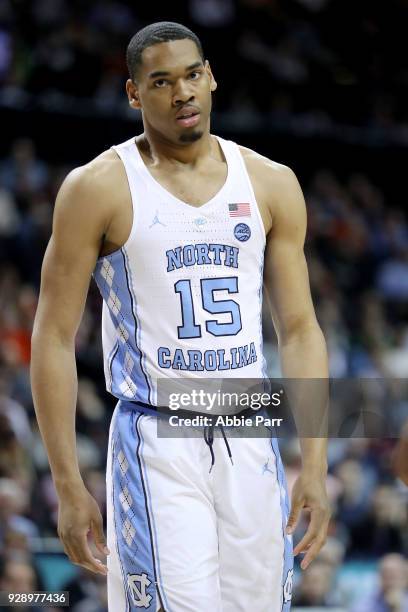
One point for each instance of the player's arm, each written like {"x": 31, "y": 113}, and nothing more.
{"x": 80, "y": 221}
{"x": 302, "y": 347}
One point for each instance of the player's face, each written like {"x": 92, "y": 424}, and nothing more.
{"x": 173, "y": 90}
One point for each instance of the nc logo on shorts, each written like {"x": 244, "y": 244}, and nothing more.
{"x": 287, "y": 587}
{"x": 242, "y": 232}
{"x": 137, "y": 585}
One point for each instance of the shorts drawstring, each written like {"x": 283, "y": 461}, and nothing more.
{"x": 226, "y": 444}
{"x": 209, "y": 440}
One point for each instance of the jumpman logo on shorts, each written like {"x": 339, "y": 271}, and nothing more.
{"x": 156, "y": 221}
{"x": 266, "y": 468}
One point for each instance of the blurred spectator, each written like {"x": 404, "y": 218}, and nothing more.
{"x": 392, "y": 593}
{"x": 9, "y": 217}
{"x": 355, "y": 499}
{"x": 392, "y": 280}
{"x": 382, "y": 529}
{"x": 14, "y": 461}
{"x": 57, "y": 51}
{"x": 394, "y": 359}
{"x": 22, "y": 172}
{"x": 14, "y": 502}
{"x": 17, "y": 575}
{"x": 88, "y": 592}
{"x": 316, "y": 587}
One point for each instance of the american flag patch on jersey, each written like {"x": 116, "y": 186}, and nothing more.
{"x": 239, "y": 209}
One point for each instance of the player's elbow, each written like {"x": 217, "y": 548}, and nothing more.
{"x": 299, "y": 329}
{"x": 47, "y": 334}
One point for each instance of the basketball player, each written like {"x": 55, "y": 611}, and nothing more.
{"x": 176, "y": 226}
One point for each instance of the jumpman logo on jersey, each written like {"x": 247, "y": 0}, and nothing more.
{"x": 156, "y": 221}
{"x": 266, "y": 468}
{"x": 200, "y": 221}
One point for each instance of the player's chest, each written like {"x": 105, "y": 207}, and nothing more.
{"x": 193, "y": 188}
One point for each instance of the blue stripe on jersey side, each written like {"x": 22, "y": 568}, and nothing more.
{"x": 143, "y": 366}
{"x": 149, "y": 510}
{"x": 129, "y": 380}
{"x": 111, "y": 467}
{"x": 132, "y": 526}
{"x": 287, "y": 572}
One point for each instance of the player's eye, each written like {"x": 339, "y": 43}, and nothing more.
{"x": 195, "y": 75}
{"x": 160, "y": 83}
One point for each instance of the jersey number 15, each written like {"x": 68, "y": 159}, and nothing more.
{"x": 189, "y": 328}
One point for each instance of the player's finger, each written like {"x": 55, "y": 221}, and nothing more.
{"x": 316, "y": 519}
{"x": 81, "y": 554}
{"x": 91, "y": 567}
{"x": 317, "y": 531}
{"x": 312, "y": 552}
{"x": 67, "y": 550}
{"x": 305, "y": 542}
{"x": 98, "y": 535}
{"x": 66, "y": 545}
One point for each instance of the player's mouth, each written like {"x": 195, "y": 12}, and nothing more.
{"x": 188, "y": 117}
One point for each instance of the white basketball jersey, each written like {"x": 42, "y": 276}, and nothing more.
{"x": 183, "y": 296}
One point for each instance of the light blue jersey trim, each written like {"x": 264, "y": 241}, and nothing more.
{"x": 160, "y": 586}
{"x": 114, "y": 513}
{"x": 151, "y": 399}
{"x": 126, "y": 366}
{"x": 287, "y": 570}
{"x": 132, "y": 521}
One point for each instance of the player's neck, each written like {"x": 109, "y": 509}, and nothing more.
{"x": 159, "y": 149}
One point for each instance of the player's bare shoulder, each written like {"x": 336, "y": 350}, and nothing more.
{"x": 94, "y": 188}
{"x": 96, "y": 198}
{"x": 255, "y": 161}
{"x": 266, "y": 173}
{"x": 275, "y": 185}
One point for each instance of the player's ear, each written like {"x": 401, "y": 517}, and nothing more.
{"x": 213, "y": 82}
{"x": 132, "y": 93}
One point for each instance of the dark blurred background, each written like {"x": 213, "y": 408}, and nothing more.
{"x": 319, "y": 85}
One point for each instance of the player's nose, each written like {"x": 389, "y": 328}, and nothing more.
{"x": 182, "y": 93}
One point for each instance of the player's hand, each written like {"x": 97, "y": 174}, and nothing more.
{"x": 309, "y": 493}
{"x": 78, "y": 515}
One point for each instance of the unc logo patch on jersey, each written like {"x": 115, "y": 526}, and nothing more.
{"x": 242, "y": 232}
{"x": 137, "y": 585}
{"x": 287, "y": 587}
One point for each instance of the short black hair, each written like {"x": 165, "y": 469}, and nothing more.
{"x": 162, "y": 31}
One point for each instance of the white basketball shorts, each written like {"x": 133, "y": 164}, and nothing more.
{"x": 184, "y": 539}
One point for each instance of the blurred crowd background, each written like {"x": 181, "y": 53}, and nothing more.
{"x": 310, "y": 83}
